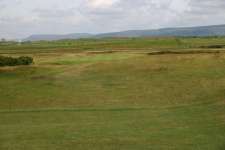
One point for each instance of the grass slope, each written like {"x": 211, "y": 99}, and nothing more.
{"x": 114, "y": 101}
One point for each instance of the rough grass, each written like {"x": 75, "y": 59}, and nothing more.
{"x": 114, "y": 101}
{"x": 112, "y": 44}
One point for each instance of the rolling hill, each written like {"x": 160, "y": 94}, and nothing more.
{"x": 215, "y": 30}
{"x": 52, "y": 37}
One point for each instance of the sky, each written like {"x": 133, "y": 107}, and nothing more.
{"x": 21, "y": 18}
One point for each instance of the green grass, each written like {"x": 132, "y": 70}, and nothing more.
{"x": 121, "y": 100}
{"x": 140, "y": 44}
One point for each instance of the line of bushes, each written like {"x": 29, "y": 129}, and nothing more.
{"x": 213, "y": 46}
{"x": 10, "y": 61}
{"x": 187, "y": 52}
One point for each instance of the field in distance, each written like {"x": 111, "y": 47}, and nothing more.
{"x": 113, "y": 44}
{"x": 114, "y": 94}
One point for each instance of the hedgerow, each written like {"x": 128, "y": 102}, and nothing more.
{"x": 10, "y": 61}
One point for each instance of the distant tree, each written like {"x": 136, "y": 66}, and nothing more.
{"x": 3, "y": 40}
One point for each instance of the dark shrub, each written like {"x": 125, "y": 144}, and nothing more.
{"x": 24, "y": 60}
{"x": 10, "y": 61}
{"x": 213, "y": 46}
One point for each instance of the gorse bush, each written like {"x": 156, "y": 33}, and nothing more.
{"x": 10, "y": 61}
{"x": 24, "y": 60}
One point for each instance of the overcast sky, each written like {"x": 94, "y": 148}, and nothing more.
{"x": 21, "y": 18}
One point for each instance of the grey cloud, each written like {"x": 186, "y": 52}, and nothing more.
{"x": 204, "y": 12}
{"x": 55, "y": 13}
{"x": 39, "y": 16}
{"x": 207, "y": 6}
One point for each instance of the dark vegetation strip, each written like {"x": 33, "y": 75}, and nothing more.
{"x": 10, "y": 61}
{"x": 187, "y": 52}
{"x": 213, "y": 46}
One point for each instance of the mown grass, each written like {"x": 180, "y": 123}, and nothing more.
{"x": 114, "y": 101}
